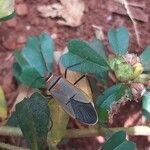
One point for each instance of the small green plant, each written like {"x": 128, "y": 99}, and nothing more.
{"x": 37, "y": 117}
{"x": 130, "y": 70}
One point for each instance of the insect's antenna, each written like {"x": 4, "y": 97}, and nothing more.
{"x": 83, "y": 76}
{"x": 71, "y": 67}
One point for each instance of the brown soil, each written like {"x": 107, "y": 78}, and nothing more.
{"x": 13, "y": 35}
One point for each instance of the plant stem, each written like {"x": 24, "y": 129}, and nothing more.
{"x": 10, "y": 131}
{"x": 10, "y": 147}
{"x": 87, "y": 132}
{"x": 136, "y": 130}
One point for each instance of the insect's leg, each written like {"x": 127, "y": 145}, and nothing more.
{"x": 48, "y": 97}
{"x": 48, "y": 76}
{"x": 83, "y": 76}
{"x": 71, "y": 67}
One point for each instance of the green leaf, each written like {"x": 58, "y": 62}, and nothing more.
{"x": 126, "y": 145}
{"x": 98, "y": 46}
{"x": 107, "y": 99}
{"x": 118, "y": 142}
{"x": 103, "y": 77}
{"x": 33, "y": 118}
{"x": 82, "y": 49}
{"x": 34, "y": 61}
{"x": 117, "y": 90}
{"x": 17, "y": 71}
{"x": 35, "y": 55}
{"x": 146, "y": 105}
{"x": 115, "y": 140}
{"x": 32, "y": 78}
{"x": 47, "y": 49}
{"x": 119, "y": 40}
{"x": 21, "y": 60}
{"x": 145, "y": 59}
{"x": 102, "y": 115}
{"x": 29, "y": 76}
{"x": 12, "y": 120}
{"x": 83, "y": 58}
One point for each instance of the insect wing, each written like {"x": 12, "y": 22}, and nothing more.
{"x": 75, "y": 102}
{"x": 84, "y": 112}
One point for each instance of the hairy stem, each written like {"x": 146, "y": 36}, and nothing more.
{"x": 136, "y": 130}
{"x": 10, "y": 147}
{"x": 86, "y": 132}
{"x": 10, "y": 131}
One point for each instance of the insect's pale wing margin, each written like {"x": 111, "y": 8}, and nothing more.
{"x": 84, "y": 112}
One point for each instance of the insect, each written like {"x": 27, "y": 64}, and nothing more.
{"x": 74, "y": 101}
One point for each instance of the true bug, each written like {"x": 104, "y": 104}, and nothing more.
{"x": 74, "y": 101}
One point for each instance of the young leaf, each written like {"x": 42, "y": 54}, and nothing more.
{"x": 118, "y": 142}
{"x": 17, "y": 71}
{"x": 21, "y": 60}
{"x": 81, "y": 65}
{"x": 98, "y": 46}
{"x": 83, "y": 58}
{"x": 29, "y": 76}
{"x": 32, "y": 78}
{"x": 33, "y": 118}
{"x": 107, "y": 99}
{"x": 47, "y": 49}
{"x": 82, "y": 49}
{"x": 35, "y": 55}
{"x": 3, "y": 105}
{"x": 145, "y": 58}
{"x": 34, "y": 61}
{"x": 146, "y": 105}
{"x": 119, "y": 40}
{"x": 12, "y": 120}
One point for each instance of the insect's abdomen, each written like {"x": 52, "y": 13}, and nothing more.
{"x": 72, "y": 99}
